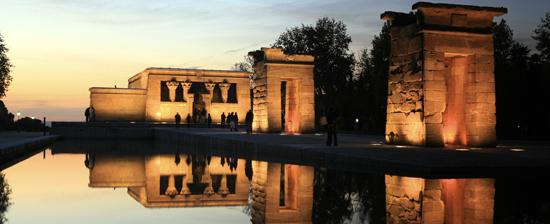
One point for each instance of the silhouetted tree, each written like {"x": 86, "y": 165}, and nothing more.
{"x": 5, "y": 66}
{"x": 520, "y": 80}
{"x": 372, "y": 81}
{"x": 5, "y": 203}
{"x": 339, "y": 195}
{"x": 29, "y": 124}
{"x": 328, "y": 42}
{"x": 542, "y": 36}
{"x": 6, "y": 118}
{"x": 245, "y": 65}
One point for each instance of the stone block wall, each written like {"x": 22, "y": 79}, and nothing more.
{"x": 405, "y": 114}
{"x": 438, "y": 201}
{"x": 404, "y": 199}
{"x": 272, "y": 67}
{"x": 478, "y": 90}
{"x": 441, "y": 78}
{"x": 266, "y": 193}
{"x": 118, "y": 104}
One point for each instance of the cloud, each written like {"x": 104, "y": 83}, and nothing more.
{"x": 246, "y": 48}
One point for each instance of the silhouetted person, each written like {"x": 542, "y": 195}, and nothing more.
{"x": 188, "y": 120}
{"x": 248, "y": 119}
{"x": 87, "y": 114}
{"x": 331, "y": 127}
{"x": 92, "y": 114}
{"x": 223, "y": 120}
{"x": 230, "y": 121}
{"x": 178, "y": 119}
{"x": 209, "y": 120}
{"x": 236, "y": 120}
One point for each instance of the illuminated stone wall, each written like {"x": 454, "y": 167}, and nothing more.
{"x": 141, "y": 101}
{"x": 272, "y": 67}
{"x": 117, "y": 104}
{"x": 441, "y": 81}
{"x": 438, "y": 201}
{"x": 266, "y": 186}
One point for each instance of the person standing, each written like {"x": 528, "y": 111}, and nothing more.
{"x": 231, "y": 121}
{"x": 92, "y": 114}
{"x": 209, "y": 121}
{"x": 188, "y": 120}
{"x": 178, "y": 119}
{"x": 228, "y": 120}
{"x": 248, "y": 119}
{"x": 223, "y": 120}
{"x": 87, "y": 114}
{"x": 236, "y": 120}
{"x": 331, "y": 127}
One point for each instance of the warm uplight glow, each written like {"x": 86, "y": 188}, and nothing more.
{"x": 454, "y": 118}
{"x": 517, "y": 150}
{"x": 462, "y": 149}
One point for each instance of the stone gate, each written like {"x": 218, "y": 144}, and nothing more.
{"x": 283, "y": 92}
{"x": 441, "y": 88}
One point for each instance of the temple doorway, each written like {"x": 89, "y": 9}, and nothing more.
{"x": 454, "y": 116}
{"x": 198, "y": 107}
{"x": 290, "y": 116}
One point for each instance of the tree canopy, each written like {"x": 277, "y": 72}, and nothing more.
{"x": 328, "y": 41}
{"x": 5, "y": 66}
{"x": 542, "y": 36}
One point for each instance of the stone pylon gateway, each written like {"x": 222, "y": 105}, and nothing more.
{"x": 441, "y": 88}
{"x": 283, "y": 92}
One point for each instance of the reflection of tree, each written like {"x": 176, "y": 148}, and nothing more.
{"x": 340, "y": 196}
{"x": 5, "y": 192}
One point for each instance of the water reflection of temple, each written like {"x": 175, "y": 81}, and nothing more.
{"x": 173, "y": 181}
{"x": 279, "y": 193}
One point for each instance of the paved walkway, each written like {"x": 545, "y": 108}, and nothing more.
{"x": 16, "y": 145}
{"x": 367, "y": 151}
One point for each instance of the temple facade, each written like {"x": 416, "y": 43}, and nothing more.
{"x": 280, "y": 91}
{"x": 157, "y": 94}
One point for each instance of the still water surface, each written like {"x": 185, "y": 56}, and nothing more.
{"x": 133, "y": 187}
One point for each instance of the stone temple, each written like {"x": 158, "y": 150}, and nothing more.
{"x": 441, "y": 87}
{"x": 282, "y": 94}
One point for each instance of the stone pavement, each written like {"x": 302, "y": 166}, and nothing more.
{"x": 356, "y": 152}
{"x": 15, "y": 146}
{"x": 369, "y": 152}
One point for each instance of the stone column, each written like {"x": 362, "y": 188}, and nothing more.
{"x": 206, "y": 178}
{"x": 186, "y": 86}
{"x": 172, "y": 85}
{"x": 224, "y": 87}
{"x": 184, "y": 188}
{"x": 224, "y": 190}
{"x": 171, "y": 190}
{"x": 210, "y": 87}
{"x": 190, "y": 100}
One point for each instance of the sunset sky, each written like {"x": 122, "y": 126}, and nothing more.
{"x": 60, "y": 48}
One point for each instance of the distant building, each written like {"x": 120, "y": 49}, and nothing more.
{"x": 156, "y": 94}
{"x": 282, "y": 89}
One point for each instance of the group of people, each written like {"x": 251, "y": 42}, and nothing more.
{"x": 177, "y": 118}
{"x": 232, "y": 121}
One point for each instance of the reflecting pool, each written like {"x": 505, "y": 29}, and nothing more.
{"x": 123, "y": 182}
